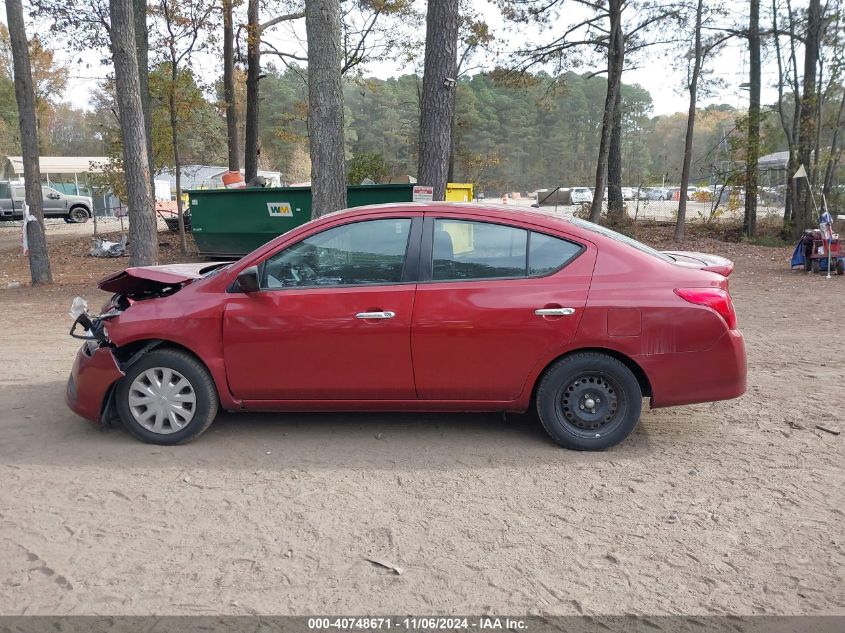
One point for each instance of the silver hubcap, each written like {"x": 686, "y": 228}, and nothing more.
{"x": 162, "y": 400}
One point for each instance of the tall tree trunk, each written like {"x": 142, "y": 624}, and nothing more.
{"x": 615, "y": 14}
{"x": 453, "y": 150}
{"x": 835, "y": 150}
{"x": 790, "y": 127}
{"x": 233, "y": 142}
{"x": 752, "y": 154}
{"x": 614, "y": 156}
{"x": 438, "y": 94}
{"x": 177, "y": 161}
{"x": 143, "y": 235}
{"x": 680, "y": 225}
{"x": 142, "y": 50}
{"x": 39, "y": 261}
{"x": 804, "y": 211}
{"x": 794, "y": 148}
{"x": 325, "y": 106}
{"x": 253, "y": 74}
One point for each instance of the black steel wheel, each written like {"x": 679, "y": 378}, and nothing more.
{"x": 589, "y": 401}
{"x": 78, "y": 215}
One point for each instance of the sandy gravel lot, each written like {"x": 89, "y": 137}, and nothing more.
{"x": 735, "y": 507}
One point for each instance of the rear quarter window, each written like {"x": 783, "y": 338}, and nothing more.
{"x": 547, "y": 254}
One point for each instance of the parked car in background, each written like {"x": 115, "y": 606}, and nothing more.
{"x": 56, "y": 204}
{"x": 629, "y": 193}
{"x": 654, "y": 193}
{"x": 580, "y": 195}
{"x": 410, "y": 307}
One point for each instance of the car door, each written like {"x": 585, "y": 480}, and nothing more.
{"x": 493, "y": 301}
{"x": 6, "y": 203}
{"x": 18, "y": 200}
{"x": 332, "y": 320}
{"x": 54, "y": 202}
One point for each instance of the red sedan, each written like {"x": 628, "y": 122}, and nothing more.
{"x": 412, "y": 307}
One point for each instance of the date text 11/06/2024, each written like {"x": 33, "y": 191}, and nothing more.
{"x": 417, "y": 623}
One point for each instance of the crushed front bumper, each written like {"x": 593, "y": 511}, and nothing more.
{"x": 94, "y": 371}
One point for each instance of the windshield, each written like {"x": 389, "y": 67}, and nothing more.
{"x": 595, "y": 228}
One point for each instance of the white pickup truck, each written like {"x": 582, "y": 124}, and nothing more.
{"x": 56, "y": 204}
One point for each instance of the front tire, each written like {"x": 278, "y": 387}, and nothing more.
{"x": 840, "y": 267}
{"x": 589, "y": 401}
{"x": 167, "y": 398}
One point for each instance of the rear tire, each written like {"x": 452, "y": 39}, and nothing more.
{"x": 840, "y": 267}
{"x": 167, "y": 398}
{"x": 589, "y": 401}
{"x": 815, "y": 266}
{"x": 78, "y": 215}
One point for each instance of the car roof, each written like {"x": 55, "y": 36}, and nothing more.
{"x": 501, "y": 211}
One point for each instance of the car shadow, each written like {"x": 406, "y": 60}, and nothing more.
{"x": 37, "y": 428}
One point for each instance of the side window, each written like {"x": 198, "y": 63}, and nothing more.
{"x": 4, "y": 190}
{"x": 477, "y": 250}
{"x": 547, "y": 254}
{"x": 370, "y": 252}
{"x": 19, "y": 192}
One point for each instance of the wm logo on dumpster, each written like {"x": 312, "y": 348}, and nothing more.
{"x": 280, "y": 209}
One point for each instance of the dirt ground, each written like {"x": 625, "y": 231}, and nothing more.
{"x": 729, "y": 508}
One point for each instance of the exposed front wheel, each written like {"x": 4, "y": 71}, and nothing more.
{"x": 78, "y": 215}
{"x": 589, "y": 401}
{"x": 167, "y": 397}
{"x": 840, "y": 267}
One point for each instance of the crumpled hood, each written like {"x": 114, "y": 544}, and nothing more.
{"x": 146, "y": 280}
{"x": 702, "y": 261}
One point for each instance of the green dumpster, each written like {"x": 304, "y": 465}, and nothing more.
{"x": 233, "y": 222}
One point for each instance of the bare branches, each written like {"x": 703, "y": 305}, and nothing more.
{"x": 288, "y": 17}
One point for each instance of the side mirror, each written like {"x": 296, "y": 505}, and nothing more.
{"x": 248, "y": 279}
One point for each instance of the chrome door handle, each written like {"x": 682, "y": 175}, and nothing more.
{"x": 554, "y": 311}
{"x": 375, "y": 315}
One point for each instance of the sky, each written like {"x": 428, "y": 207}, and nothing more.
{"x": 654, "y": 72}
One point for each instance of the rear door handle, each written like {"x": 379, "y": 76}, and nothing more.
{"x": 554, "y": 312}
{"x": 375, "y": 315}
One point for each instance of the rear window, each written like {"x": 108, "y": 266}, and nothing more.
{"x": 595, "y": 228}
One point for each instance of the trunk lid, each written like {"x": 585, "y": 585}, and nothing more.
{"x": 702, "y": 261}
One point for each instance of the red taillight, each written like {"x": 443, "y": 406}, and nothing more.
{"x": 715, "y": 298}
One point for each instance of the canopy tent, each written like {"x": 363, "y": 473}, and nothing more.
{"x": 62, "y": 164}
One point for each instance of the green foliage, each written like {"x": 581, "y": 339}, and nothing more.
{"x": 201, "y": 131}
{"x": 367, "y": 165}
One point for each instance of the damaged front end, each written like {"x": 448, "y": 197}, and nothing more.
{"x": 100, "y": 363}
